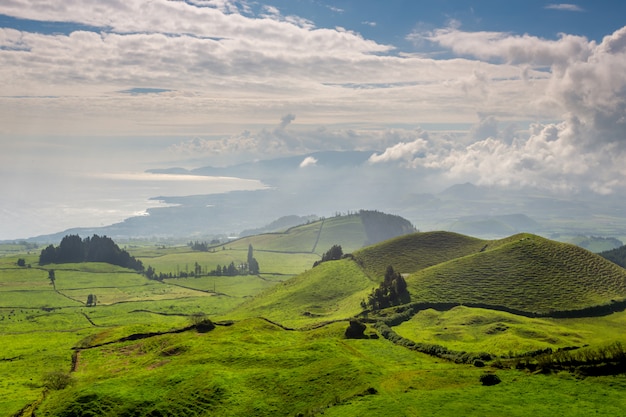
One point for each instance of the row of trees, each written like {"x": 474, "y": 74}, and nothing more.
{"x": 251, "y": 267}
{"x": 73, "y": 249}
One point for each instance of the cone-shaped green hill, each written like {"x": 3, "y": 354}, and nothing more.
{"x": 523, "y": 272}
{"x": 416, "y": 251}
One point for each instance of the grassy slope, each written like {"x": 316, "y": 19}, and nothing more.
{"x": 416, "y": 251}
{"x": 255, "y": 368}
{"x": 332, "y": 290}
{"x": 525, "y": 272}
{"x": 347, "y": 231}
{"x": 500, "y": 333}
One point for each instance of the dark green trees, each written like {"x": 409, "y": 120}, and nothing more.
{"x": 73, "y": 249}
{"x": 253, "y": 265}
{"x": 52, "y": 277}
{"x": 391, "y": 292}
{"x": 92, "y": 300}
{"x": 356, "y": 330}
{"x": 332, "y": 254}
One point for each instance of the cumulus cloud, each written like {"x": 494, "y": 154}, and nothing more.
{"x": 218, "y": 69}
{"x": 515, "y": 49}
{"x": 587, "y": 84}
{"x": 400, "y": 152}
{"x": 309, "y": 161}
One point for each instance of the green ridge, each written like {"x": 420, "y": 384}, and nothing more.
{"x": 524, "y": 272}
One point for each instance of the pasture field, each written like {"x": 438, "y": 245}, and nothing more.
{"x": 256, "y": 368}
{"x": 273, "y": 263}
{"x": 40, "y": 323}
{"x": 527, "y": 273}
{"x": 505, "y": 334}
{"x": 279, "y": 346}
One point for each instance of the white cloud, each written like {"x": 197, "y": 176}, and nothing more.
{"x": 568, "y": 7}
{"x": 400, "y": 152}
{"x": 221, "y": 71}
{"x": 587, "y": 85}
{"x": 514, "y": 49}
{"x": 309, "y": 161}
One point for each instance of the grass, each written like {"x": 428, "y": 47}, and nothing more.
{"x": 254, "y": 367}
{"x": 502, "y": 334}
{"x": 332, "y": 290}
{"x": 416, "y": 251}
{"x": 523, "y": 273}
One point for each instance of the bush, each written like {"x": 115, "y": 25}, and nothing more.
{"x": 204, "y": 326}
{"x": 356, "y": 330}
{"x": 57, "y": 380}
{"x": 490, "y": 379}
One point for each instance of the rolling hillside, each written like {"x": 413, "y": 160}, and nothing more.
{"x": 528, "y": 273}
{"x": 139, "y": 351}
{"x": 524, "y": 273}
{"x": 330, "y": 291}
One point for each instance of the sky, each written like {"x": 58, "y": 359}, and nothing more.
{"x": 500, "y": 93}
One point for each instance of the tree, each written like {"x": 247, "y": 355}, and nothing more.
{"x": 52, "y": 277}
{"x": 253, "y": 265}
{"x": 92, "y": 300}
{"x": 47, "y": 255}
{"x": 21, "y": 262}
{"x": 230, "y": 271}
{"x": 94, "y": 249}
{"x": 150, "y": 273}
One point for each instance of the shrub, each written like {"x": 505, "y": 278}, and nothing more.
{"x": 356, "y": 330}
{"x": 57, "y": 380}
{"x": 490, "y": 379}
{"x": 204, "y": 326}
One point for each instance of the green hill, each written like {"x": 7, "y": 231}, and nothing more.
{"x": 416, "y": 251}
{"x": 351, "y": 232}
{"x": 524, "y": 272}
{"x": 136, "y": 353}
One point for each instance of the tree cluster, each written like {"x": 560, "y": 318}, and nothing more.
{"x": 391, "y": 292}
{"x": 332, "y": 254}
{"x": 617, "y": 256}
{"x": 73, "y": 249}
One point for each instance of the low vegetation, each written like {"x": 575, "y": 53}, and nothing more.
{"x": 422, "y": 324}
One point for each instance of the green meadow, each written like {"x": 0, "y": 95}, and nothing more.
{"x": 278, "y": 346}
